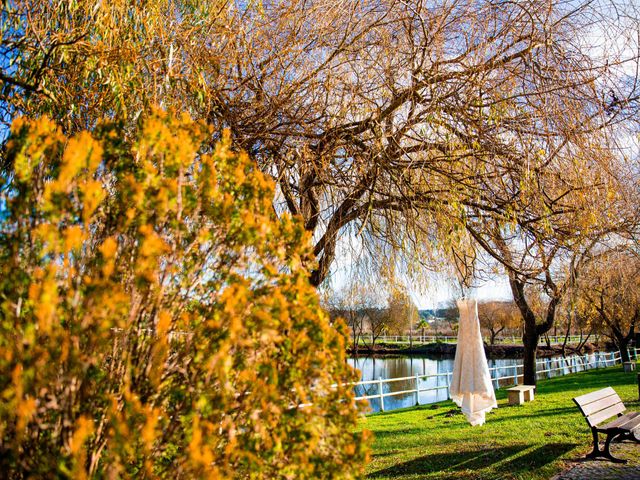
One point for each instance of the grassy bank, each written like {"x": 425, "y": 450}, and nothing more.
{"x": 531, "y": 441}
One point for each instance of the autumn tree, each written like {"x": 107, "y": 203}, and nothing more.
{"x": 357, "y": 302}
{"x": 425, "y": 129}
{"x": 571, "y": 212}
{"x": 423, "y": 325}
{"x": 403, "y": 312}
{"x": 497, "y": 317}
{"x": 610, "y": 296}
{"x": 572, "y": 321}
{"x": 383, "y": 119}
{"x": 451, "y": 315}
{"x": 541, "y": 269}
{"x": 157, "y": 320}
{"x": 577, "y": 196}
{"x": 379, "y": 322}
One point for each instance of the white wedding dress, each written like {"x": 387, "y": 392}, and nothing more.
{"x": 471, "y": 387}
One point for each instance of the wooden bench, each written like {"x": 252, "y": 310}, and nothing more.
{"x": 601, "y": 405}
{"x": 520, "y": 394}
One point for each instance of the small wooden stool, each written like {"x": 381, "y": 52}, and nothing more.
{"x": 520, "y": 394}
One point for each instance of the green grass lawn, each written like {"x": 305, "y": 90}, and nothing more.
{"x": 530, "y": 441}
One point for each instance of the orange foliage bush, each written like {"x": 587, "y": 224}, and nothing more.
{"x": 157, "y": 319}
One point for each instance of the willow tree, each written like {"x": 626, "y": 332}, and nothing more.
{"x": 385, "y": 119}
{"x": 574, "y": 208}
{"x": 609, "y": 295}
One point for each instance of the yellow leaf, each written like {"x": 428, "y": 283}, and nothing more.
{"x": 73, "y": 238}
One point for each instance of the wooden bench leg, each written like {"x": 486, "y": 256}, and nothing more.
{"x": 606, "y": 453}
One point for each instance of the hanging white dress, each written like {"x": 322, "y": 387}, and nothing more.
{"x": 471, "y": 387}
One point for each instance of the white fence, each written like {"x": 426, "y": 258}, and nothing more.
{"x": 417, "y": 339}
{"x": 544, "y": 368}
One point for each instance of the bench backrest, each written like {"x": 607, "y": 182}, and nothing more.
{"x": 599, "y": 405}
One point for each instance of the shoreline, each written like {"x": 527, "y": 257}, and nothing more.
{"x": 449, "y": 349}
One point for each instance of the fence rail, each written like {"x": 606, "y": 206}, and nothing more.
{"x": 566, "y": 365}
{"x": 555, "y": 340}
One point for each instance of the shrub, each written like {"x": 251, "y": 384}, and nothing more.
{"x": 157, "y": 319}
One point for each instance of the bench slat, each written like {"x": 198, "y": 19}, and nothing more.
{"x": 593, "y": 407}
{"x": 627, "y": 422}
{"x": 598, "y": 417}
{"x": 593, "y": 396}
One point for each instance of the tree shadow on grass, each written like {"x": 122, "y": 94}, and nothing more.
{"x": 382, "y": 434}
{"x": 537, "y": 458}
{"x": 550, "y": 412}
{"x": 500, "y": 462}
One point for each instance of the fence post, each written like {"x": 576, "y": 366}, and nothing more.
{"x": 417, "y": 390}
{"x": 448, "y": 380}
{"x": 570, "y": 364}
{"x": 515, "y": 374}
{"x": 380, "y": 394}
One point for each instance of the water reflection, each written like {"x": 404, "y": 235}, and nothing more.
{"x": 434, "y": 373}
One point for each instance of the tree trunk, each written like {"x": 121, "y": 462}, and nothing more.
{"x": 495, "y": 334}
{"x": 530, "y": 342}
{"x": 621, "y": 340}
{"x": 566, "y": 336}
{"x": 582, "y": 343}
{"x": 531, "y": 331}
{"x": 623, "y": 346}
{"x": 355, "y": 342}
{"x": 373, "y": 341}
{"x": 410, "y": 335}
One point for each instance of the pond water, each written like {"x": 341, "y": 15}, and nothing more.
{"x": 373, "y": 368}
